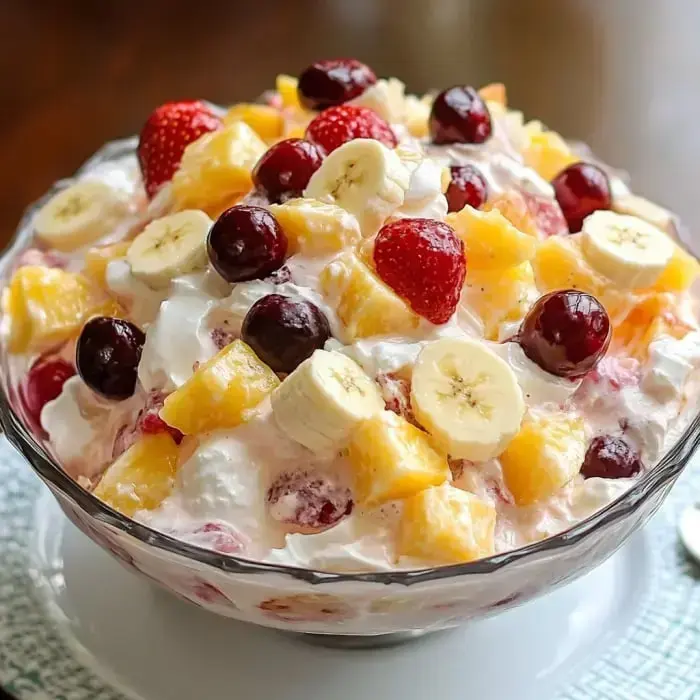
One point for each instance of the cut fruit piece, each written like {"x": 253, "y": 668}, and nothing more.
{"x": 417, "y": 115}
{"x": 680, "y": 273}
{"x": 287, "y": 88}
{"x": 638, "y": 206}
{"x": 222, "y": 393}
{"x": 168, "y": 247}
{"x": 97, "y": 259}
{"x": 559, "y": 264}
{"x": 651, "y": 318}
{"x": 494, "y": 92}
{"x": 467, "y": 397}
{"x": 491, "y": 241}
{"x": 143, "y": 476}
{"x": 392, "y": 459}
{"x": 314, "y": 228}
{"x": 447, "y": 525}
{"x": 217, "y": 167}
{"x": 364, "y": 304}
{"x": 500, "y": 296}
{"x": 323, "y": 399}
{"x": 543, "y": 457}
{"x": 264, "y": 120}
{"x": 47, "y": 306}
{"x": 546, "y": 152}
{"x": 513, "y": 206}
{"x": 625, "y": 249}
{"x": 79, "y": 215}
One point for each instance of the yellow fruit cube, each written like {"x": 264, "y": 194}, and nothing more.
{"x": 651, "y": 318}
{"x": 500, "y": 296}
{"x": 546, "y": 152}
{"x": 314, "y": 228}
{"x": 143, "y": 477}
{"x": 513, "y": 206}
{"x": 392, "y": 459}
{"x": 287, "y": 88}
{"x": 680, "y": 273}
{"x": 364, "y": 304}
{"x": 544, "y": 456}
{"x": 97, "y": 259}
{"x": 48, "y": 306}
{"x": 417, "y": 115}
{"x": 494, "y": 92}
{"x": 560, "y": 264}
{"x": 490, "y": 240}
{"x": 222, "y": 393}
{"x": 217, "y": 166}
{"x": 447, "y": 525}
{"x": 266, "y": 121}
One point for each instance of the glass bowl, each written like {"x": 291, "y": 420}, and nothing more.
{"x": 316, "y": 602}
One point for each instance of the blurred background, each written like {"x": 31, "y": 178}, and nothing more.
{"x": 620, "y": 74}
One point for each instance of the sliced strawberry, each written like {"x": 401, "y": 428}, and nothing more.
{"x": 337, "y": 125}
{"x": 165, "y": 135}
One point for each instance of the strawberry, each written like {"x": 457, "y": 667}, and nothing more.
{"x": 165, "y": 135}
{"x": 423, "y": 261}
{"x": 337, "y": 125}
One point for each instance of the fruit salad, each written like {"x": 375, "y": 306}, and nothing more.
{"x": 351, "y": 329}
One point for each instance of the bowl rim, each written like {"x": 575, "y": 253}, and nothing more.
{"x": 664, "y": 472}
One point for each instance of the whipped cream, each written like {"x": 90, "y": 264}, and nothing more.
{"x": 670, "y": 363}
{"x": 424, "y": 198}
{"x": 142, "y": 301}
{"x": 539, "y": 387}
{"x": 82, "y": 427}
{"x": 180, "y": 324}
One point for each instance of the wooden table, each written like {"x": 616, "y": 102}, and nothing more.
{"x": 620, "y": 74}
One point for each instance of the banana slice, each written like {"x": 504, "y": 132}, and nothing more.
{"x": 467, "y": 397}
{"x": 169, "y": 247}
{"x": 325, "y": 397}
{"x": 627, "y": 250}
{"x": 79, "y": 215}
{"x": 363, "y": 177}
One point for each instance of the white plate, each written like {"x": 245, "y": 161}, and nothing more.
{"x": 156, "y": 647}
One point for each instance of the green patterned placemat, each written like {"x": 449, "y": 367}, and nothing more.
{"x": 659, "y": 659}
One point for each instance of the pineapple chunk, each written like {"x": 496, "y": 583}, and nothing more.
{"x": 490, "y": 240}
{"x": 316, "y": 228}
{"x": 47, "y": 306}
{"x": 513, "y": 206}
{"x": 143, "y": 477}
{"x": 417, "y": 116}
{"x": 559, "y": 264}
{"x": 392, "y": 459}
{"x": 287, "y": 88}
{"x": 447, "y": 525}
{"x": 500, "y": 296}
{"x": 544, "y": 456}
{"x": 364, "y": 304}
{"x": 651, "y": 318}
{"x": 97, "y": 259}
{"x": 217, "y": 166}
{"x": 546, "y": 152}
{"x": 680, "y": 273}
{"x": 266, "y": 121}
{"x": 494, "y": 92}
{"x": 222, "y": 393}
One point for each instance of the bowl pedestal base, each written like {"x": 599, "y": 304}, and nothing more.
{"x": 155, "y": 647}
